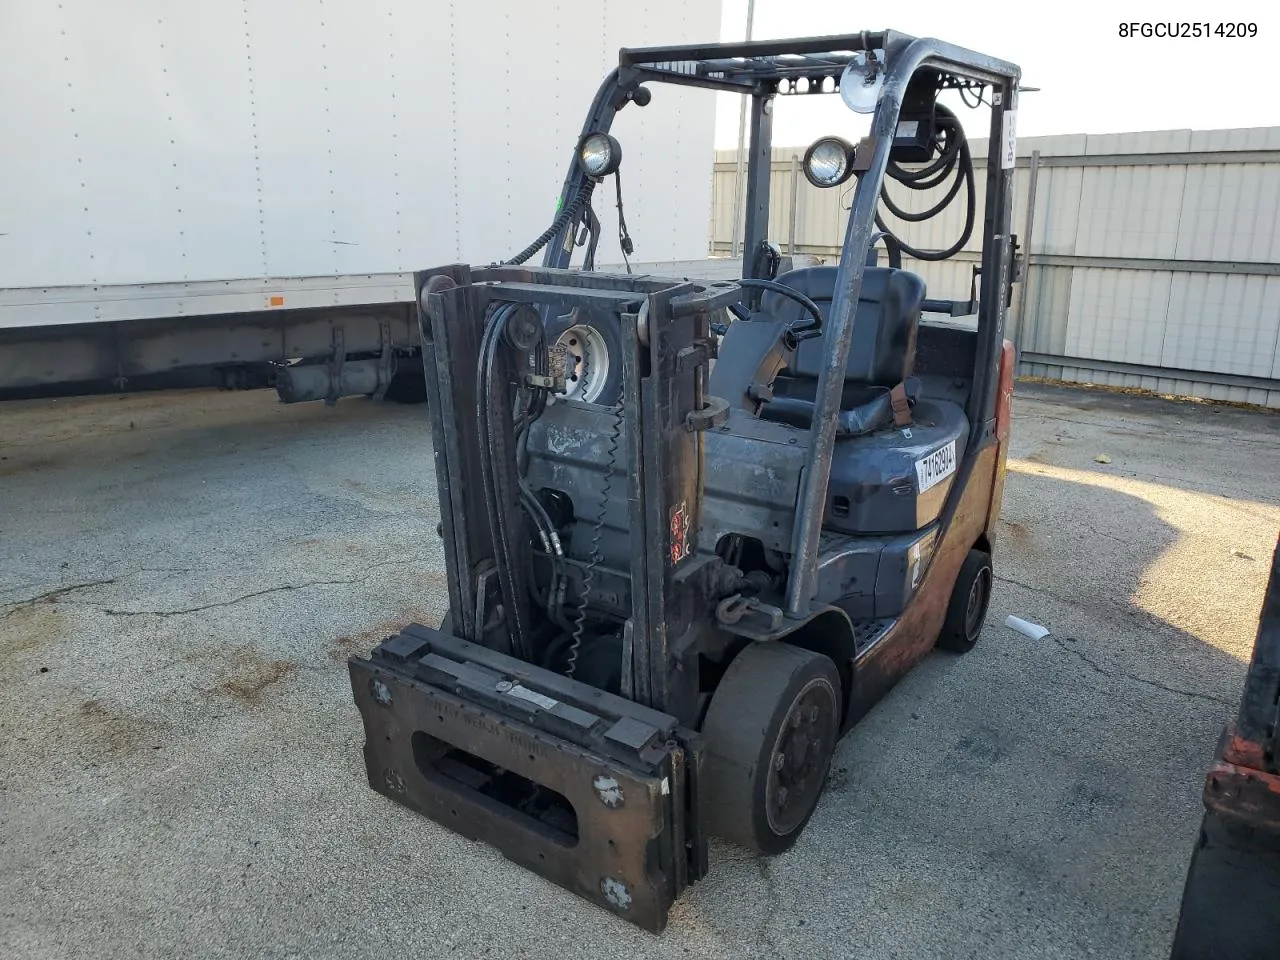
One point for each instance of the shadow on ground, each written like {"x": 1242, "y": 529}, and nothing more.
{"x": 1035, "y": 798}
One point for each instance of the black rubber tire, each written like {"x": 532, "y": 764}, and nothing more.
{"x": 748, "y": 727}
{"x": 970, "y": 598}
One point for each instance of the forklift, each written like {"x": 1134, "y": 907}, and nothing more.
{"x": 695, "y": 530}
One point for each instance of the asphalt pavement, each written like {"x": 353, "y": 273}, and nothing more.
{"x": 182, "y": 576}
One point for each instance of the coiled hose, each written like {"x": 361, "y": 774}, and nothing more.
{"x": 953, "y": 159}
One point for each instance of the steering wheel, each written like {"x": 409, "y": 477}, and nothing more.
{"x": 798, "y": 330}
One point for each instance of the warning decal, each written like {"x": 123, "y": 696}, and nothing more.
{"x": 680, "y": 546}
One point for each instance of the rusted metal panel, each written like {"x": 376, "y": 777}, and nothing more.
{"x": 914, "y": 634}
{"x": 594, "y": 792}
{"x": 1244, "y": 793}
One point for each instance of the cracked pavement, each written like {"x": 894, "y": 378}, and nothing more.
{"x": 183, "y": 575}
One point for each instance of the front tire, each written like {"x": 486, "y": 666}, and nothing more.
{"x": 967, "y": 611}
{"x": 770, "y": 732}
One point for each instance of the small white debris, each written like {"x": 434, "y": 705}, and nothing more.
{"x": 1032, "y": 631}
{"x": 1102, "y": 458}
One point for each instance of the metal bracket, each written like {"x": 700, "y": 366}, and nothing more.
{"x": 336, "y": 362}
{"x": 763, "y": 618}
{"x": 484, "y": 580}
{"x": 628, "y": 682}
{"x": 714, "y": 412}
{"x": 695, "y": 354}
{"x": 862, "y": 154}
{"x": 386, "y": 361}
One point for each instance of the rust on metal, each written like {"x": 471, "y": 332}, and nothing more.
{"x": 1244, "y": 794}
{"x": 915, "y": 633}
{"x": 1241, "y": 752}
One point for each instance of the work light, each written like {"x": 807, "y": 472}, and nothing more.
{"x": 599, "y": 154}
{"x": 828, "y": 162}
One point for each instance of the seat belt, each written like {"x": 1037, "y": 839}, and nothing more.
{"x": 901, "y": 406}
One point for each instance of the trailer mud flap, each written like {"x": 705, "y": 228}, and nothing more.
{"x": 592, "y": 791}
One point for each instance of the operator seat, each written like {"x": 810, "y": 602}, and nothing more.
{"x": 882, "y": 348}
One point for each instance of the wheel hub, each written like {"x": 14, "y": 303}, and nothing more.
{"x": 798, "y": 763}
{"x": 586, "y": 362}
{"x": 976, "y": 608}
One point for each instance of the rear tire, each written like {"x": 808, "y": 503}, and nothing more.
{"x": 967, "y": 611}
{"x": 770, "y": 732}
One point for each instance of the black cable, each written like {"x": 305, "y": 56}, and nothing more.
{"x": 554, "y": 549}
{"x": 970, "y": 216}
{"x": 624, "y": 238}
{"x": 570, "y": 214}
{"x": 923, "y": 215}
{"x": 980, "y": 102}
{"x": 954, "y": 158}
{"x": 892, "y": 247}
{"x": 533, "y": 508}
{"x": 550, "y": 538}
{"x": 537, "y": 398}
{"x": 490, "y": 432}
{"x": 946, "y": 157}
{"x": 592, "y": 226}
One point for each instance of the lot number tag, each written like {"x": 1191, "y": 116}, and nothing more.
{"x": 936, "y": 467}
{"x": 1009, "y": 153}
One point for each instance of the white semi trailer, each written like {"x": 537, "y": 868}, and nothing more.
{"x": 236, "y": 191}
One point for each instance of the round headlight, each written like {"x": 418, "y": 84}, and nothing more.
{"x": 599, "y": 154}
{"x": 828, "y": 162}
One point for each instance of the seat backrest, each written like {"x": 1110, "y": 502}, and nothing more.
{"x": 882, "y": 350}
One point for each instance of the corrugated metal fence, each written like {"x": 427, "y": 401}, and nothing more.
{"x": 1154, "y": 257}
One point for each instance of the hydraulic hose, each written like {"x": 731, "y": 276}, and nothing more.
{"x": 490, "y": 467}
{"x": 569, "y": 215}
{"x": 954, "y": 160}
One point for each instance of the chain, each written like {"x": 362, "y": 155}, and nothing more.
{"x": 588, "y": 573}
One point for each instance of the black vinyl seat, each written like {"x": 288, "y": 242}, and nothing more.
{"x": 881, "y": 351}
